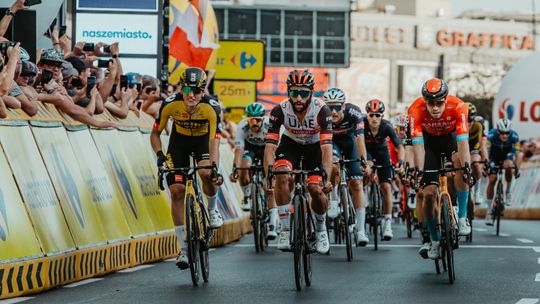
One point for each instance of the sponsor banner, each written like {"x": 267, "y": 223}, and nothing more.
{"x": 136, "y": 34}
{"x": 194, "y": 36}
{"x": 14, "y": 222}
{"x": 240, "y": 60}
{"x": 518, "y": 98}
{"x": 119, "y": 5}
{"x": 235, "y": 93}
{"x": 102, "y": 192}
{"x": 124, "y": 180}
{"x": 364, "y": 80}
{"x": 69, "y": 184}
{"x": 145, "y": 170}
{"x": 36, "y": 189}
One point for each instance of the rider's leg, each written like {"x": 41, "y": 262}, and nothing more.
{"x": 508, "y": 164}
{"x": 178, "y": 192}
{"x": 490, "y": 191}
{"x": 282, "y": 195}
{"x": 333, "y": 205}
{"x": 462, "y": 188}
{"x": 358, "y": 196}
{"x": 244, "y": 178}
{"x": 430, "y": 211}
{"x": 477, "y": 172}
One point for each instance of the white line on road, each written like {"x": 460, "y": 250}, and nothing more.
{"x": 417, "y": 246}
{"x": 526, "y": 241}
{"x": 137, "y": 268}
{"x": 480, "y": 229}
{"x": 538, "y": 260}
{"x": 15, "y": 300}
{"x": 528, "y": 301}
{"x": 537, "y": 279}
{"x": 536, "y": 249}
{"x": 84, "y": 282}
{"x": 504, "y": 234}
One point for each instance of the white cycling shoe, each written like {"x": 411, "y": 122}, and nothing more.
{"x": 323, "y": 244}
{"x": 272, "y": 233}
{"x": 464, "y": 226}
{"x": 284, "y": 242}
{"x": 216, "y": 220}
{"x": 387, "y": 230}
{"x": 424, "y": 249}
{"x": 246, "y": 204}
{"x": 333, "y": 209}
{"x": 182, "y": 261}
{"x": 489, "y": 219}
{"x": 361, "y": 239}
{"x": 434, "y": 251}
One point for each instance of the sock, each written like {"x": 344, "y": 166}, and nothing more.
{"x": 212, "y": 202}
{"x": 334, "y": 194}
{"x": 489, "y": 203}
{"x": 320, "y": 222}
{"x": 274, "y": 216}
{"x": 432, "y": 227}
{"x": 361, "y": 219}
{"x": 246, "y": 190}
{"x": 463, "y": 199}
{"x": 284, "y": 216}
{"x": 388, "y": 217}
{"x": 424, "y": 231}
{"x": 508, "y": 186}
{"x": 179, "y": 230}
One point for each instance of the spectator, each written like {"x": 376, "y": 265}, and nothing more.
{"x": 151, "y": 96}
{"x": 18, "y": 5}
{"x": 93, "y": 103}
{"x": 3, "y": 110}
{"x": 27, "y": 78}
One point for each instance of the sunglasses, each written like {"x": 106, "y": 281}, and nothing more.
{"x": 188, "y": 90}
{"x": 378, "y": 115}
{"x": 436, "y": 103}
{"x": 336, "y": 108}
{"x": 302, "y": 93}
{"x": 254, "y": 120}
{"x": 504, "y": 133}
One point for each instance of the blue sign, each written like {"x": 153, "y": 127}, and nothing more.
{"x": 139, "y": 5}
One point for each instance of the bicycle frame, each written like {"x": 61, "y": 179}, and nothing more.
{"x": 443, "y": 191}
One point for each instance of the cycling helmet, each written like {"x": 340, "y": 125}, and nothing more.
{"x": 334, "y": 95}
{"x": 300, "y": 78}
{"x": 504, "y": 125}
{"x": 375, "y": 105}
{"x": 434, "y": 89}
{"x": 193, "y": 77}
{"x": 255, "y": 110}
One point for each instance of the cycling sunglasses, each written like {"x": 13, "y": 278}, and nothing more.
{"x": 336, "y": 108}
{"x": 436, "y": 103}
{"x": 195, "y": 90}
{"x": 504, "y": 133}
{"x": 378, "y": 115}
{"x": 302, "y": 93}
{"x": 254, "y": 120}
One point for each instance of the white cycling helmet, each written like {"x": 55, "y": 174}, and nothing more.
{"x": 334, "y": 95}
{"x": 504, "y": 125}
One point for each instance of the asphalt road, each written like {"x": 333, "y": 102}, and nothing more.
{"x": 504, "y": 269}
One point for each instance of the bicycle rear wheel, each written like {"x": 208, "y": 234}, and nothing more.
{"x": 347, "y": 233}
{"x": 297, "y": 244}
{"x": 447, "y": 239}
{"x": 192, "y": 233}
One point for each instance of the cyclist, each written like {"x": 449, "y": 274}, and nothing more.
{"x": 376, "y": 131}
{"x": 195, "y": 127}
{"x": 307, "y": 135}
{"x": 477, "y": 143}
{"x": 439, "y": 126}
{"x": 249, "y": 145}
{"x": 348, "y": 142}
{"x": 504, "y": 146}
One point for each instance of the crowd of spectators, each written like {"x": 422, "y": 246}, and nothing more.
{"x": 531, "y": 150}
{"x": 80, "y": 80}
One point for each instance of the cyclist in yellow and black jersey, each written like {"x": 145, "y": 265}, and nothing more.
{"x": 477, "y": 142}
{"x": 195, "y": 131}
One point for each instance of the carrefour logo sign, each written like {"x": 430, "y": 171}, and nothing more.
{"x": 244, "y": 60}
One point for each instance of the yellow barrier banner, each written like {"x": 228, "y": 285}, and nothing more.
{"x": 36, "y": 188}
{"x": 145, "y": 169}
{"x": 14, "y": 222}
{"x": 69, "y": 184}
{"x": 102, "y": 192}
{"x": 124, "y": 180}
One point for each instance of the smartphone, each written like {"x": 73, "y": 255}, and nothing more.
{"x": 62, "y": 31}
{"x": 76, "y": 82}
{"x": 90, "y": 84}
{"x": 123, "y": 82}
{"x": 46, "y": 77}
{"x": 103, "y": 63}
{"x": 88, "y": 47}
{"x": 107, "y": 49}
{"x": 5, "y": 45}
{"x": 31, "y": 2}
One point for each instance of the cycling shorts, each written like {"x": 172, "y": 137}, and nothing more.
{"x": 435, "y": 146}
{"x": 180, "y": 149}
{"x": 252, "y": 152}
{"x": 381, "y": 157}
{"x": 344, "y": 146}
{"x": 290, "y": 153}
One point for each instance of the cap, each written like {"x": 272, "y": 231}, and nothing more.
{"x": 79, "y": 64}
{"x": 68, "y": 70}
{"x": 29, "y": 69}
{"x": 53, "y": 55}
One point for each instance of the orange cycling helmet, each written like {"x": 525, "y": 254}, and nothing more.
{"x": 434, "y": 89}
{"x": 375, "y": 106}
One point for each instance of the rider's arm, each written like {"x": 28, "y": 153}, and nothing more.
{"x": 517, "y": 148}
{"x": 359, "y": 136}
{"x": 159, "y": 125}
{"x": 417, "y": 138}
{"x": 214, "y": 136}
{"x": 397, "y": 143}
{"x": 239, "y": 145}
{"x": 324, "y": 119}
{"x": 272, "y": 137}
{"x": 462, "y": 134}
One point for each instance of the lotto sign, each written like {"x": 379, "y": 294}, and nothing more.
{"x": 235, "y": 93}
{"x": 240, "y": 60}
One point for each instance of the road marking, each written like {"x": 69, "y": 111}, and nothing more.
{"x": 137, "y": 268}
{"x": 504, "y": 234}
{"x": 528, "y": 301}
{"x": 15, "y": 300}
{"x": 536, "y": 249}
{"x": 418, "y": 246}
{"x": 537, "y": 277}
{"x": 526, "y": 241}
{"x": 170, "y": 260}
{"x": 84, "y": 282}
{"x": 538, "y": 260}
{"x": 480, "y": 229}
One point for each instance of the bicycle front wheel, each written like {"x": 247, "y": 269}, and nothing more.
{"x": 499, "y": 205}
{"x": 204, "y": 243}
{"x": 447, "y": 239}
{"x": 255, "y": 219}
{"x": 297, "y": 244}
{"x": 192, "y": 232}
{"x": 348, "y": 239}
{"x": 375, "y": 196}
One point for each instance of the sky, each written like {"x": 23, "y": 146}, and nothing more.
{"x": 458, "y": 6}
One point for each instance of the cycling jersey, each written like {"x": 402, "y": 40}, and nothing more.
{"x": 497, "y": 146}
{"x": 393, "y": 151}
{"x": 453, "y": 118}
{"x": 200, "y": 123}
{"x": 316, "y": 126}
{"x": 244, "y": 133}
{"x": 476, "y": 134}
{"x": 352, "y": 123}
{"x": 377, "y": 148}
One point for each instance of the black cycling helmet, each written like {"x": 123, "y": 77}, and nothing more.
{"x": 300, "y": 78}
{"x": 193, "y": 77}
{"x": 375, "y": 106}
{"x": 434, "y": 89}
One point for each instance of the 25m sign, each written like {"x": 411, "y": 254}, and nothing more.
{"x": 235, "y": 93}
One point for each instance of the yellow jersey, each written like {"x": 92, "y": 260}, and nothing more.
{"x": 476, "y": 133}
{"x": 203, "y": 121}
